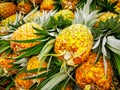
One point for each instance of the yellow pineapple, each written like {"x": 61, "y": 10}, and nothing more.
{"x": 103, "y": 17}
{"x": 93, "y": 75}
{"x": 4, "y": 24}
{"x": 24, "y": 32}
{"x": 106, "y": 15}
{"x": 7, "y": 9}
{"x": 74, "y": 44}
{"x": 33, "y": 64}
{"x": 6, "y": 63}
{"x": 67, "y": 14}
{"x": 47, "y": 5}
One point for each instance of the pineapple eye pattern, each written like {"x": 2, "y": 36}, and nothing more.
{"x": 60, "y": 44}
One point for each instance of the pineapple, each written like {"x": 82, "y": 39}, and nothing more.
{"x": 74, "y": 44}
{"x": 90, "y": 74}
{"x": 69, "y": 4}
{"x": 106, "y": 15}
{"x": 24, "y": 32}
{"x": 7, "y": 9}
{"x": 33, "y": 63}
{"x": 47, "y": 5}
{"x": 24, "y": 7}
{"x": 67, "y": 14}
{"x": 6, "y": 64}
{"x": 23, "y": 84}
{"x": 4, "y": 24}
{"x": 103, "y": 17}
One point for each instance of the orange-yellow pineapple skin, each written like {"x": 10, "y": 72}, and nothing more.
{"x": 7, "y": 9}
{"x": 4, "y": 29}
{"x": 66, "y": 14}
{"x": 47, "y": 5}
{"x": 24, "y": 32}
{"x": 6, "y": 63}
{"x": 23, "y": 84}
{"x": 24, "y": 8}
{"x": 93, "y": 74}
{"x": 33, "y": 63}
{"x": 69, "y": 4}
{"x": 105, "y": 16}
{"x": 74, "y": 44}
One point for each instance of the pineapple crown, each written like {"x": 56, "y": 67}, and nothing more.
{"x": 85, "y": 16}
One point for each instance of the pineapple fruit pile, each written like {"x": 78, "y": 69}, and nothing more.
{"x": 59, "y": 44}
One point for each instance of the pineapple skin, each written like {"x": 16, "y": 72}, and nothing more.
{"x": 33, "y": 63}
{"x": 107, "y": 15}
{"x": 93, "y": 74}
{"x": 24, "y": 8}
{"x": 7, "y": 9}
{"x": 24, "y": 32}
{"x": 23, "y": 84}
{"x": 67, "y": 14}
{"x": 47, "y": 5}
{"x": 104, "y": 17}
{"x": 73, "y": 44}
{"x": 69, "y": 4}
{"x": 8, "y": 20}
{"x": 4, "y": 24}
{"x": 6, "y": 63}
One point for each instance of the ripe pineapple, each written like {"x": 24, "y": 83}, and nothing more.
{"x": 24, "y": 7}
{"x": 105, "y": 16}
{"x": 24, "y": 32}
{"x": 4, "y": 24}
{"x": 67, "y": 14}
{"x": 23, "y": 84}
{"x": 69, "y": 4}
{"x": 93, "y": 74}
{"x": 33, "y": 63}
{"x": 6, "y": 64}
{"x": 74, "y": 44}
{"x": 47, "y": 5}
{"x": 7, "y": 9}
